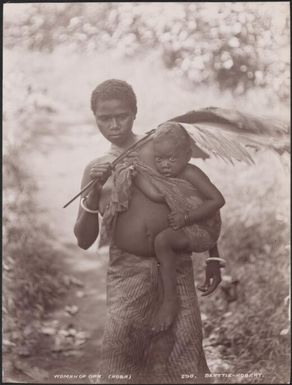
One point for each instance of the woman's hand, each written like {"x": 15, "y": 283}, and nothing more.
{"x": 176, "y": 220}
{"x": 101, "y": 172}
{"x": 212, "y": 273}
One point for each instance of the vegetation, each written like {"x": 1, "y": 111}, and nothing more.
{"x": 249, "y": 316}
{"x": 235, "y": 45}
{"x": 32, "y": 280}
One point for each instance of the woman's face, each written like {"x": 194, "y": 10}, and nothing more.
{"x": 115, "y": 120}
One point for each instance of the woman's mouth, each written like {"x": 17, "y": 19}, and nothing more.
{"x": 115, "y": 136}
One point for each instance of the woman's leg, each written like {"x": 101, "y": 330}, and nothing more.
{"x": 166, "y": 244}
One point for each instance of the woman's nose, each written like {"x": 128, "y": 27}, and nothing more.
{"x": 113, "y": 122}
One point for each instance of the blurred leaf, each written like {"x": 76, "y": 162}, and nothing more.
{"x": 23, "y": 351}
{"x": 73, "y": 353}
{"x": 48, "y": 331}
{"x": 34, "y": 372}
{"x": 72, "y": 310}
{"x": 80, "y": 294}
{"x": 8, "y": 343}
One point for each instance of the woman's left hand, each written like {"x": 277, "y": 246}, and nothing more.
{"x": 213, "y": 274}
{"x": 176, "y": 220}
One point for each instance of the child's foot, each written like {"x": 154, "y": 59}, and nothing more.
{"x": 202, "y": 287}
{"x": 166, "y": 315}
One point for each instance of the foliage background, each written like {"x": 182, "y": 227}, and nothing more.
{"x": 177, "y": 56}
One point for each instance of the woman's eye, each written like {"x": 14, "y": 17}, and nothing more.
{"x": 122, "y": 117}
{"x": 104, "y": 118}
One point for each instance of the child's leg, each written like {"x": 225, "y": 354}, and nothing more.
{"x": 214, "y": 252}
{"x": 166, "y": 244}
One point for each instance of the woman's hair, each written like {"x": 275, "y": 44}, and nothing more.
{"x": 174, "y": 132}
{"x": 114, "y": 89}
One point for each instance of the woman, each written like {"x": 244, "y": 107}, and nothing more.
{"x": 131, "y": 352}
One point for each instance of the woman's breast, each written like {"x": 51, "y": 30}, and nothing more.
{"x": 137, "y": 227}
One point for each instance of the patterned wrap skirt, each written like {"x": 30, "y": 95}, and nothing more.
{"x": 131, "y": 353}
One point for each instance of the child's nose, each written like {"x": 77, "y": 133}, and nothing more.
{"x": 165, "y": 163}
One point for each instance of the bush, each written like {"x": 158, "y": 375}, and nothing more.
{"x": 254, "y": 329}
{"x": 251, "y": 328}
{"x": 32, "y": 280}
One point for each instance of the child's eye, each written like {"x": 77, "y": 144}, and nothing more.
{"x": 172, "y": 159}
{"x": 158, "y": 159}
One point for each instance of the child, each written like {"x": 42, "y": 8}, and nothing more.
{"x": 194, "y": 221}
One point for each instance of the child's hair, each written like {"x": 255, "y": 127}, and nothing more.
{"x": 175, "y": 132}
{"x": 114, "y": 89}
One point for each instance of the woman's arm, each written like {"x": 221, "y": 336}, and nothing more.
{"x": 147, "y": 187}
{"x": 213, "y": 199}
{"x": 86, "y": 228}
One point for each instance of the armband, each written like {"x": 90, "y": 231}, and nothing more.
{"x": 86, "y": 208}
{"x": 220, "y": 260}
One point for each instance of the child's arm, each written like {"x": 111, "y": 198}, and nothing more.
{"x": 145, "y": 185}
{"x": 213, "y": 199}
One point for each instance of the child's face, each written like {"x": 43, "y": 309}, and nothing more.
{"x": 170, "y": 160}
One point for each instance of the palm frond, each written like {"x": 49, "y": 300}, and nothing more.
{"x": 235, "y": 121}
{"x": 227, "y": 133}
{"x": 216, "y": 144}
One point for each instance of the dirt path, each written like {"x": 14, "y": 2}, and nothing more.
{"x": 72, "y": 356}
{"x": 72, "y": 334}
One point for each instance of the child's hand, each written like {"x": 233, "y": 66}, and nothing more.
{"x": 176, "y": 220}
{"x": 131, "y": 158}
{"x": 212, "y": 273}
{"x": 133, "y": 171}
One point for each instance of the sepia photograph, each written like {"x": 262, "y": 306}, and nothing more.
{"x": 146, "y": 193}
